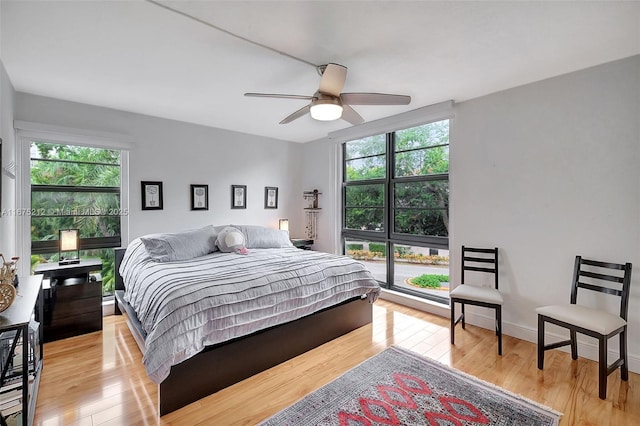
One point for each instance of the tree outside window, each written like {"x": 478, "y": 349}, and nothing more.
{"x": 76, "y": 187}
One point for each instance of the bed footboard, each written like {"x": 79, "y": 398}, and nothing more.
{"x": 234, "y": 361}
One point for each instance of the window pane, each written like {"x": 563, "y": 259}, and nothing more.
{"x": 371, "y": 254}
{"x": 46, "y": 228}
{"x": 365, "y": 207}
{"x": 74, "y": 203}
{"x": 422, "y": 150}
{"x": 74, "y": 174}
{"x": 365, "y": 158}
{"x": 365, "y": 195}
{"x": 422, "y": 269}
{"x": 433, "y": 194}
{"x": 366, "y": 168}
{"x": 421, "y": 208}
{"x": 422, "y": 222}
{"x": 423, "y": 136}
{"x": 365, "y": 218}
{"x": 48, "y": 151}
{"x": 422, "y": 162}
{"x": 366, "y": 147}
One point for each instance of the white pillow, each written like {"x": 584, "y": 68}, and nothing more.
{"x": 180, "y": 246}
{"x": 262, "y": 237}
{"x": 230, "y": 240}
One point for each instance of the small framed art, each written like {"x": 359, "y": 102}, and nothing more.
{"x": 238, "y": 196}
{"x": 151, "y": 195}
{"x": 270, "y": 197}
{"x": 199, "y": 197}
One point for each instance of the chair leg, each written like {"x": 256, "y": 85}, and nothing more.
{"x": 499, "y": 328}
{"x": 624, "y": 368}
{"x": 463, "y": 320}
{"x": 602, "y": 367}
{"x": 574, "y": 345}
{"x": 540, "y": 342}
{"x": 453, "y": 322}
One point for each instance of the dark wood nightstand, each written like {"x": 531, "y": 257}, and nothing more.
{"x": 72, "y": 298}
{"x": 302, "y": 243}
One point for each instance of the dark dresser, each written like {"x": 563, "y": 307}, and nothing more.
{"x": 72, "y": 298}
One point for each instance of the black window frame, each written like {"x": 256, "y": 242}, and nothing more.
{"x": 86, "y": 244}
{"x": 389, "y": 236}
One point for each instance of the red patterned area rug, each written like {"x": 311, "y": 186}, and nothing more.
{"x": 399, "y": 387}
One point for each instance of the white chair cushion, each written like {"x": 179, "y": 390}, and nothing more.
{"x": 585, "y": 317}
{"x": 478, "y": 294}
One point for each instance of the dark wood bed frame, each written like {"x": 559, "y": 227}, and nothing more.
{"x": 224, "y": 364}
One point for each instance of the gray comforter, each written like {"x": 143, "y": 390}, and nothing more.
{"x": 187, "y": 305}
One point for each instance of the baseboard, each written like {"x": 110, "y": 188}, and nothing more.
{"x": 586, "y": 349}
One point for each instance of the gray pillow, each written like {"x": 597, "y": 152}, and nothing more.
{"x": 261, "y": 237}
{"x": 180, "y": 246}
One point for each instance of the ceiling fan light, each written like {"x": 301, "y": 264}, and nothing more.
{"x": 326, "y": 109}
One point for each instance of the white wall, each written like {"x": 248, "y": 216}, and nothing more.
{"x": 321, "y": 173}
{"x": 544, "y": 171}
{"x": 548, "y": 171}
{"x": 180, "y": 154}
{"x": 7, "y": 221}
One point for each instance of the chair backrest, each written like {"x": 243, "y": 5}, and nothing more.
{"x": 480, "y": 260}
{"x": 609, "y": 278}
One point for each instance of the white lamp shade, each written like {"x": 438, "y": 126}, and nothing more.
{"x": 283, "y": 224}
{"x": 326, "y": 110}
{"x": 68, "y": 240}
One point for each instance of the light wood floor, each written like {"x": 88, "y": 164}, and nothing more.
{"x": 98, "y": 378}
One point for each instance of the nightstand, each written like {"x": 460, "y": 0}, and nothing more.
{"x": 72, "y": 298}
{"x": 302, "y": 243}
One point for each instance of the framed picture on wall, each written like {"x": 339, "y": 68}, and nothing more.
{"x": 238, "y": 196}
{"x": 199, "y": 197}
{"x": 270, "y": 197}
{"x": 151, "y": 195}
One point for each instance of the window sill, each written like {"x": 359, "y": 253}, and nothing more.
{"x": 108, "y": 306}
{"x": 415, "y": 302}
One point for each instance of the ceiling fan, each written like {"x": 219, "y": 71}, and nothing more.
{"x": 328, "y": 103}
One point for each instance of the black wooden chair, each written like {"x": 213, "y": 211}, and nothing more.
{"x": 609, "y": 278}
{"x": 484, "y": 261}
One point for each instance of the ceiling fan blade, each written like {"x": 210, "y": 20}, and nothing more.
{"x": 277, "y": 95}
{"x": 299, "y": 113}
{"x": 333, "y": 79}
{"x": 349, "y": 114}
{"x": 374, "y": 99}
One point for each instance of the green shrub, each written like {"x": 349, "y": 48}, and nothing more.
{"x": 354, "y": 247}
{"x": 402, "y": 251}
{"x": 430, "y": 280}
{"x": 378, "y": 248}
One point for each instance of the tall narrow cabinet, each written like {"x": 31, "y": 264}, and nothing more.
{"x": 21, "y": 355}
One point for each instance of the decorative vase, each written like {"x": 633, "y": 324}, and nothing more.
{"x": 7, "y": 279}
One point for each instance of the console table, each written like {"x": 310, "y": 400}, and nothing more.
{"x": 22, "y": 356}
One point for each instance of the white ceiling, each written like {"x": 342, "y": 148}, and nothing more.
{"x": 136, "y": 56}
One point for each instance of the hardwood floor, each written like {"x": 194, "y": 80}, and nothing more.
{"x": 98, "y": 378}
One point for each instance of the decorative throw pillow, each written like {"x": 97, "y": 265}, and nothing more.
{"x": 230, "y": 240}
{"x": 180, "y": 246}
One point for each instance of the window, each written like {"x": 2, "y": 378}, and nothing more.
{"x": 396, "y": 206}
{"x": 76, "y": 187}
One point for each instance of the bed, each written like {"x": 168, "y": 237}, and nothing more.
{"x": 220, "y": 341}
